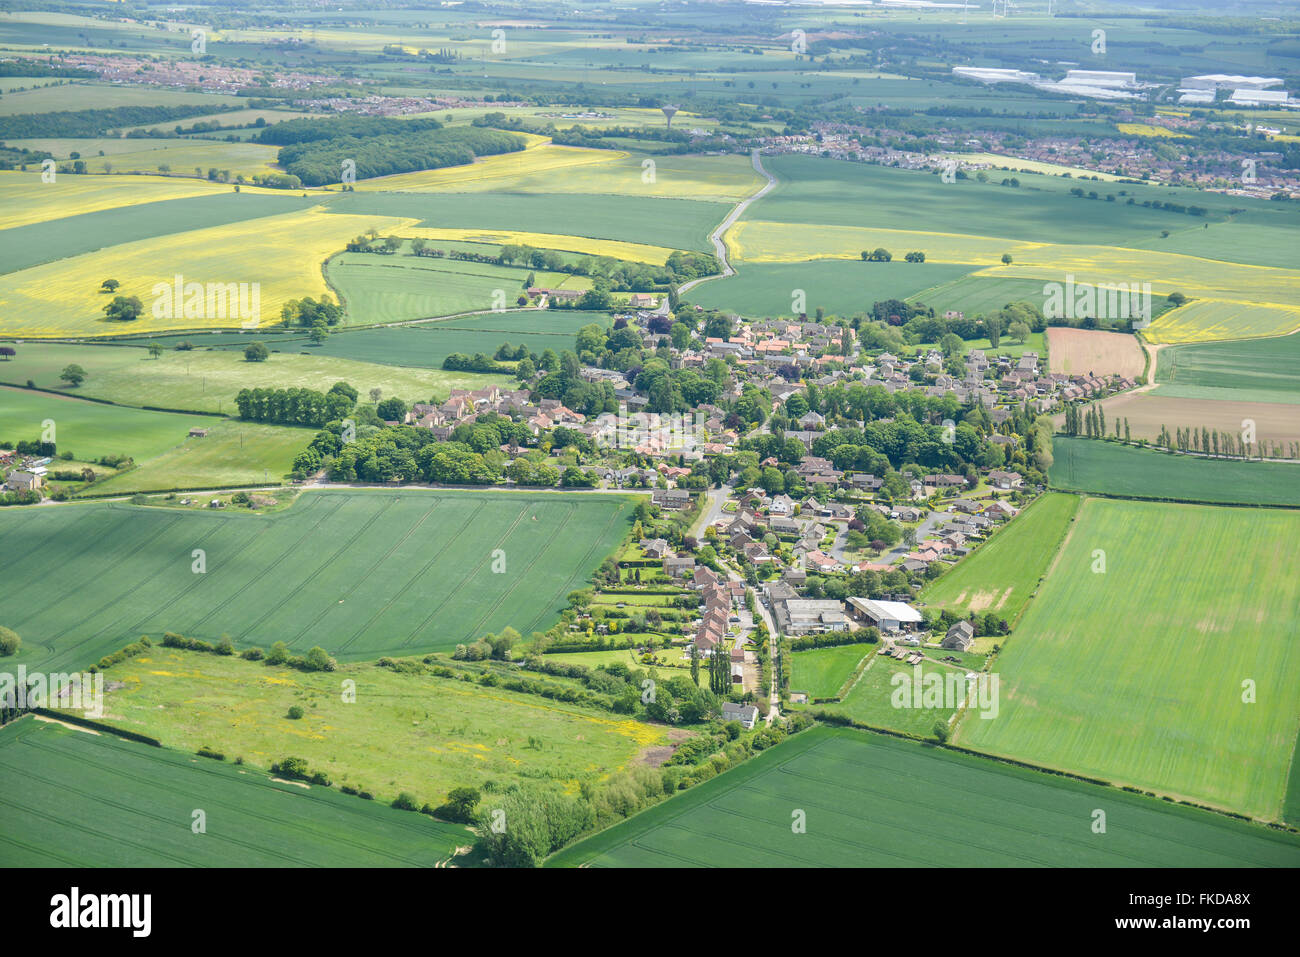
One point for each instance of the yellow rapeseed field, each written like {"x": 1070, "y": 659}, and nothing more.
{"x": 25, "y": 199}
{"x": 1146, "y": 129}
{"x": 282, "y": 254}
{"x": 632, "y": 252}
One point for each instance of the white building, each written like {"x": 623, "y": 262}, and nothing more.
{"x": 886, "y": 615}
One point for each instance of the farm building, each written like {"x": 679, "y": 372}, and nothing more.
{"x": 886, "y": 615}
{"x": 20, "y": 481}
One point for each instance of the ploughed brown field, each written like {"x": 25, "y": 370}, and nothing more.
{"x": 1147, "y": 411}
{"x": 1084, "y": 351}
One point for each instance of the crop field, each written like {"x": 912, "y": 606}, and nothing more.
{"x": 91, "y": 430}
{"x": 548, "y": 168}
{"x": 584, "y": 245}
{"x": 282, "y": 254}
{"x": 1090, "y": 351}
{"x": 1210, "y": 320}
{"x": 1003, "y": 572}
{"x": 24, "y": 199}
{"x": 182, "y": 155}
{"x": 74, "y": 234}
{"x": 379, "y": 289}
{"x": 415, "y": 733}
{"x": 976, "y": 295}
{"x": 871, "y": 699}
{"x": 1255, "y": 370}
{"x": 1147, "y": 411}
{"x": 1108, "y": 468}
{"x": 821, "y": 672}
{"x": 839, "y": 193}
{"x": 207, "y": 380}
{"x": 861, "y": 794}
{"x": 232, "y": 453}
{"x": 1173, "y": 669}
{"x": 841, "y": 288}
{"x": 363, "y": 573}
{"x": 649, "y": 220}
{"x": 79, "y": 799}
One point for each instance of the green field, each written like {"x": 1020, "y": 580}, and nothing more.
{"x": 673, "y": 223}
{"x": 1109, "y": 468}
{"x": 876, "y": 801}
{"x": 838, "y": 193}
{"x": 841, "y": 287}
{"x": 91, "y": 429}
{"x": 1003, "y": 572}
{"x": 821, "y": 672}
{"x": 74, "y": 799}
{"x": 405, "y": 732}
{"x": 232, "y": 453}
{"x": 871, "y": 699}
{"x": 207, "y": 380}
{"x": 1135, "y": 674}
{"x": 378, "y": 289}
{"x": 362, "y": 573}
{"x": 72, "y": 232}
{"x": 1250, "y": 370}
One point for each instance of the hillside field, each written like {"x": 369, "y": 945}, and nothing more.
{"x": 876, "y": 801}
{"x": 1253, "y": 370}
{"x": 363, "y": 573}
{"x": 79, "y": 799}
{"x": 1136, "y": 674}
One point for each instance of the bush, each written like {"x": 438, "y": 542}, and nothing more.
{"x": 9, "y": 642}
{"x": 295, "y": 712}
{"x": 207, "y": 752}
{"x": 406, "y": 802}
{"x": 253, "y": 654}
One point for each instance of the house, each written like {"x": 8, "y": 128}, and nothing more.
{"x": 885, "y": 615}
{"x": 641, "y": 300}
{"x": 1005, "y": 480}
{"x": 679, "y": 567}
{"x": 746, "y": 714}
{"x": 673, "y": 499}
{"x": 959, "y": 637}
{"x": 20, "y": 481}
{"x": 655, "y": 548}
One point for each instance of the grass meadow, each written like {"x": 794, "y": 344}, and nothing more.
{"x": 363, "y": 573}
{"x": 1140, "y": 670}
{"x": 79, "y": 799}
{"x": 875, "y": 801}
{"x": 822, "y": 672}
{"x": 416, "y": 733}
{"x": 207, "y": 380}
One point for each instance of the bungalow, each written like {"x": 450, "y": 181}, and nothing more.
{"x": 959, "y": 637}
{"x": 945, "y": 481}
{"x": 821, "y": 562}
{"x": 1001, "y": 511}
{"x": 655, "y": 548}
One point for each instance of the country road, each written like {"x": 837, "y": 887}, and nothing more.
{"x": 716, "y": 237}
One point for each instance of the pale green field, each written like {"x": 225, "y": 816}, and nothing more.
{"x": 232, "y": 453}
{"x": 1174, "y": 669}
{"x": 207, "y": 380}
